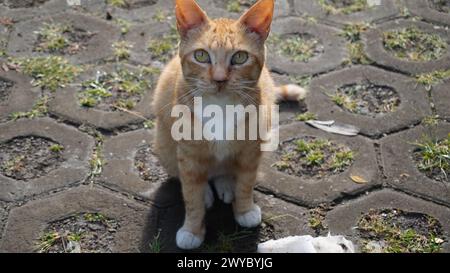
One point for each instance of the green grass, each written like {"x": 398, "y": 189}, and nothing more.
{"x": 226, "y": 242}
{"x": 40, "y": 109}
{"x": 355, "y": 48}
{"x": 297, "y": 48}
{"x": 352, "y": 32}
{"x": 306, "y": 117}
{"x": 303, "y": 81}
{"x": 124, "y": 25}
{"x": 48, "y": 73}
{"x": 342, "y": 159}
{"x": 95, "y": 218}
{"x": 118, "y": 3}
{"x": 162, "y": 48}
{"x": 149, "y": 124}
{"x": 234, "y": 6}
{"x": 49, "y": 239}
{"x": 314, "y": 154}
{"x": 431, "y": 120}
{"x": 435, "y": 155}
{"x": 357, "y": 54}
{"x": 413, "y": 44}
{"x": 316, "y": 219}
{"x": 14, "y": 164}
{"x": 156, "y": 245}
{"x": 433, "y": 78}
{"x": 160, "y": 16}
{"x": 122, "y": 50}
{"x": 355, "y": 6}
{"x": 52, "y": 37}
{"x": 345, "y": 102}
{"x": 56, "y": 148}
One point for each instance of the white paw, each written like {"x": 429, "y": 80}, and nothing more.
{"x": 187, "y": 240}
{"x": 225, "y": 189}
{"x": 209, "y": 197}
{"x": 250, "y": 219}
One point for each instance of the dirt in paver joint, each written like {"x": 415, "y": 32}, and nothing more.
{"x": 397, "y": 231}
{"x": 5, "y": 89}
{"x": 367, "y": 99}
{"x": 31, "y": 157}
{"x": 82, "y": 233}
{"x": 24, "y": 3}
{"x": 414, "y": 44}
{"x": 313, "y": 157}
{"x": 148, "y": 166}
{"x": 234, "y": 5}
{"x": 440, "y": 5}
{"x": 343, "y": 6}
{"x": 298, "y": 47}
{"x": 61, "y": 39}
{"x": 433, "y": 158}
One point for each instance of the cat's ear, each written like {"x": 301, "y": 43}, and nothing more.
{"x": 189, "y": 16}
{"x": 259, "y": 18}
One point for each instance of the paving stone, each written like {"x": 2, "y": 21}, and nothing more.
{"x": 66, "y": 104}
{"x": 23, "y": 39}
{"x": 282, "y": 7}
{"x": 334, "y": 50}
{"x": 343, "y": 219}
{"x": 26, "y": 224}
{"x": 76, "y": 154}
{"x": 424, "y": 9}
{"x": 375, "y": 50}
{"x": 414, "y": 105}
{"x": 3, "y": 218}
{"x": 441, "y": 97}
{"x": 280, "y": 219}
{"x": 19, "y": 97}
{"x": 310, "y": 191}
{"x": 400, "y": 167}
{"x": 120, "y": 170}
{"x": 385, "y": 10}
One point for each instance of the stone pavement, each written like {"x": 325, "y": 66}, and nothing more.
{"x": 77, "y": 172}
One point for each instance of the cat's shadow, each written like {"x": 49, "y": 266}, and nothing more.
{"x": 223, "y": 235}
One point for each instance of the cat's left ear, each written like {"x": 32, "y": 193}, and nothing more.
{"x": 189, "y": 16}
{"x": 259, "y": 18}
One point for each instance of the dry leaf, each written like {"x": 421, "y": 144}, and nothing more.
{"x": 358, "y": 179}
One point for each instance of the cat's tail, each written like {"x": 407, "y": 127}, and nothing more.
{"x": 290, "y": 92}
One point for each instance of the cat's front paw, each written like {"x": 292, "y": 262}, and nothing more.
{"x": 250, "y": 219}
{"x": 186, "y": 240}
{"x": 225, "y": 189}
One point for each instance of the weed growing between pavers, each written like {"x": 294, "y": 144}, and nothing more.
{"x": 396, "y": 231}
{"x": 343, "y": 6}
{"x": 355, "y": 47}
{"x": 413, "y": 44}
{"x": 122, "y": 50}
{"x": 5, "y": 89}
{"x": 367, "y": 99}
{"x": 48, "y": 72}
{"x": 440, "y": 5}
{"x": 25, "y": 3}
{"x": 148, "y": 166}
{"x": 131, "y": 4}
{"x": 164, "y": 47}
{"x": 306, "y": 117}
{"x": 433, "y": 78}
{"x": 81, "y": 233}
{"x": 40, "y": 109}
{"x": 313, "y": 157}
{"x": 317, "y": 218}
{"x": 61, "y": 39}
{"x": 121, "y": 89}
{"x": 433, "y": 158}
{"x": 299, "y": 47}
{"x": 26, "y": 158}
{"x": 124, "y": 25}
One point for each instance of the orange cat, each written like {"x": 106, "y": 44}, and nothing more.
{"x": 223, "y": 62}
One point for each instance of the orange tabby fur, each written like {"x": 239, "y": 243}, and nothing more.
{"x": 219, "y": 82}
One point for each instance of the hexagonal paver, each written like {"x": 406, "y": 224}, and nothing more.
{"x": 375, "y": 50}
{"x": 75, "y": 155}
{"x": 441, "y": 97}
{"x": 66, "y": 104}
{"x": 280, "y": 219}
{"x": 282, "y": 7}
{"x": 97, "y": 37}
{"x": 15, "y": 4}
{"x": 344, "y": 218}
{"x": 27, "y": 224}
{"x": 384, "y": 10}
{"x": 124, "y": 172}
{"x": 401, "y": 169}
{"x": 310, "y": 191}
{"x": 424, "y": 9}
{"x": 332, "y": 55}
{"x": 414, "y": 104}
{"x": 16, "y": 93}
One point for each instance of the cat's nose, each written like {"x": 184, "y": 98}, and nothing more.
{"x": 220, "y": 75}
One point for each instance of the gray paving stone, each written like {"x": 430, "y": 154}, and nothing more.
{"x": 120, "y": 171}
{"x": 66, "y": 105}
{"x": 375, "y": 50}
{"x": 312, "y": 192}
{"x": 423, "y": 9}
{"x": 282, "y": 8}
{"x": 76, "y": 154}
{"x": 345, "y": 217}
{"x": 20, "y": 97}
{"x": 400, "y": 167}
{"x": 3, "y": 218}
{"x": 386, "y": 10}
{"x": 441, "y": 97}
{"x": 23, "y": 38}
{"x": 27, "y": 223}
{"x": 413, "y": 108}
{"x": 333, "y": 55}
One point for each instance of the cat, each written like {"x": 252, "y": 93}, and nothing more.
{"x": 223, "y": 62}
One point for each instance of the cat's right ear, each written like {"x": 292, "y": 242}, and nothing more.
{"x": 189, "y": 16}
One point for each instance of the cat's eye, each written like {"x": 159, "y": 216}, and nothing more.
{"x": 239, "y": 58}
{"x": 202, "y": 56}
